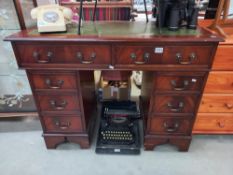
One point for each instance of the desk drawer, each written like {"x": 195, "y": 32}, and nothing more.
{"x": 175, "y": 103}
{"x": 64, "y": 54}
{"x": 176, "y": 126}
{"x": 219, "y": 82}
{"x": 53, "y": 81}
{"x": 214, "y": 123}
{"x": 187, "y": 55}
{"x": 59, "y": 102}
{"x": 178, "y": 55}
{"x": 179, "y": 81}
{"x": 63, "y": 124}
{"x": 138, "y": 55}
{"x": 216, "y": 103}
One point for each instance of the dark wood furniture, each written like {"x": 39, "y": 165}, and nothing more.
{"x": 60, "y": 68}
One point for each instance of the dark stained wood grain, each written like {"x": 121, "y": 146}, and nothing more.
{"x": 64, "y": 54}
{"x": 169, "y": 125}
{"x": 54, "y": 80}
{"x": 62, "y": 102}
{"x": 179, "y": 81}
{"x": 117, "y": 46}
{"x": 63, "y": 124}
{"x": 174, "y": 103}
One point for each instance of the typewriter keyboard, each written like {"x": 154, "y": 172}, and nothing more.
{"x": 117, "y": 137}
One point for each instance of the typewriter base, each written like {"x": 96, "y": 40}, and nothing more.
{"x": 111, "y": 149}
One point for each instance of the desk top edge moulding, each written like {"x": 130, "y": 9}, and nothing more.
{"x": 60, "y": 68}
{"x": 118, "y": 31}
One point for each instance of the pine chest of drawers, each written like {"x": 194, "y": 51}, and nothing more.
{"x": 215, "y": 114}
{"x": 61, "y": 67}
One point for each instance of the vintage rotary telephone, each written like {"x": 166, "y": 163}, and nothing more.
{"x": 51, "y": 18}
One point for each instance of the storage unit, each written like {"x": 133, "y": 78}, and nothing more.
{"x": 175, "y": 68}
{"x": 215, "y": 114}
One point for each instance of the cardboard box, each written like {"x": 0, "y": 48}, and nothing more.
{"x": 118, "y": 90}
{"x": 116, "y": 75}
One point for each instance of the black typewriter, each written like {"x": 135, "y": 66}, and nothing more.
{"x": 119, "y": 128}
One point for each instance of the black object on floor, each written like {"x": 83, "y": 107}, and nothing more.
{"x": 119, "y": 128}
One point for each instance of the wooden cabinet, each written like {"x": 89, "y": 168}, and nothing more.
{"x": 220, "y": 82}
{"x": 214, "y": 123}
{"x": 106, "y": 10}
{"x": 215, "y": 114}
{"x": 61, "y": 76}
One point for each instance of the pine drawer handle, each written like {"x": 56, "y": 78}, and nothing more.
{"x": 229, "y": 106}
{"x": 221, "y": 124}
{"x": 172, "y": 128}
{"x": 57, "y": 85}
{"x": 57, "y": 106}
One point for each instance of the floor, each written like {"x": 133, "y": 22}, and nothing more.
{"x": 23, "y": 151}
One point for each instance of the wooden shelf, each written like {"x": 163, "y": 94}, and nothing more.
{"x": 104, "y": 4}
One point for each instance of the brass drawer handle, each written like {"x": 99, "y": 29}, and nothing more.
{"x": 57, "y": 85}
{"x": 172, "y": 128}
{"x": 174, "y": 109}
{"x": 36, "y": 55}
{"x": 81, "y": 58}
{"x": 179, "y": 58}
{"x": 57, "y": 106}
{"x": 63, "y": 126}
{"x": 146, "y": 57}
{"x": 229, "y": 106}
{"x": 185, "y": 85}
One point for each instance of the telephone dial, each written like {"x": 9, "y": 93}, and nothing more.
{"x": 51, "y": 18}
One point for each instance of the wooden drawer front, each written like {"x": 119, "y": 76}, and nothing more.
{"x": 219, "y": 82}
{"x": 137, "y": 55}
{"x": 54, "y": 80}
{"x": 63, "y": 124}
{"x": 223, "y": 59}
{"x": 79, "y": 54}
{"x": 187, "y": 55}
{"x": 174, "y": 103}
{"x": 216, "y": 103}
{"x": 169, "y": 126}
{"x": 184, "y": 81}
{"x": 59, "y": 102}
{"x": 214, "y": 123}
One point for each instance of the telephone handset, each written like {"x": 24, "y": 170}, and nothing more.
{"x": 51, "y": 18}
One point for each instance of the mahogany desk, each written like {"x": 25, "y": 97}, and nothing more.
{"x": 60, "y": 68}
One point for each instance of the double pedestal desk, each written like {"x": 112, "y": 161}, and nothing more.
{"x": 60, "y": 68}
